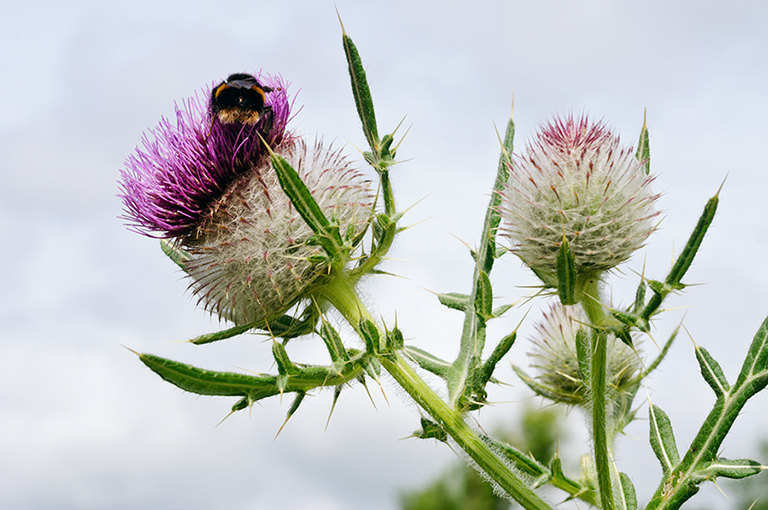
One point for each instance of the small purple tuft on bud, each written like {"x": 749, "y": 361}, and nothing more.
{"x": 576, "y": 179}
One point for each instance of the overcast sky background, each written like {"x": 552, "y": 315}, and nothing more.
{"x": 84, "y": 425}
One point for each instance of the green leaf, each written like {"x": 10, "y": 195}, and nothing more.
{"x": 523, "y": 462}
{"x": 501, "y": 349}
{"x": 252, "y": 387}
{"x": 327, "y": 234}
{"x": 370, "y": 334}
{"x": 498, "y": 312}
{"x": 738, "y": 468}
{"x": 631, "y": 320}
{"x": 294, "y": 406}
{"x": 755, "y": 367}
{"x": 221, "y": 335}
{"x": 639, "y": 298}
{"x": 361, "y": 92}
{"x": 552, "y": 393}
{"x": 288, "y": 327}
{"x": 454, "y": 300}
{"x": 643, "y": 148}
{"x": 395, "y": 340}
{"x": 484, "y": 298}
{"x": 566, "y": 274}
{"x": 684, "y": 260}
{"x": 428, "y": 361}
{"x": 333, "y": 342}
{"x": 711, "y": 371}
{"x": 177, "y": 255}
{"x": 208, "y": 382}
{"x": 664, "y": 350}
{"x": 492, "y": 216}
{"x": 284, "y": 365}
{"x": 663, "y": 439}
{"x": 627, "y": 496}
{"x": 431, "y": 430}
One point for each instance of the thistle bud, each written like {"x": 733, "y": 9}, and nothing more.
{"x": 575, "y": 180}
{"x": 561, "y": 363}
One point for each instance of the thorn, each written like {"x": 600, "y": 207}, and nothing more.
{"x": 282, "y": 427}
{"x": 714, "y": 481}
{"x": 126, "y": 347}
{"x": 227, "y": 416}
{"x": 343, "y": 32}
{"x": 401, "y": 138}
{"x": 294, "y": 407}
{"x": 336, "y": 394}
{"x": 370, "y": 397}
{"x": 384, "y": 394}
{"x": 722, "y": 184}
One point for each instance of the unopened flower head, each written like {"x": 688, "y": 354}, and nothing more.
{"x": 556, "y": 360}
{"x": 210, "y": 187}
{"x": 576, "y": 179}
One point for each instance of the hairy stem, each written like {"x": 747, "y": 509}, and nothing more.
{"x": 344, "y": 297}
{"x": 598, "y": 374}
{"x": 453, "y": 423}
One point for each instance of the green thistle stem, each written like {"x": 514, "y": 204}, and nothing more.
{"x": 596, "y": 314}
{"x": 342, "y": 295}
{"x": 453, "y": 423}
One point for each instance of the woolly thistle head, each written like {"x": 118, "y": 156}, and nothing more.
{"x": 575, "y": 179}
{"x": 556, "y": 357}
{"x": 210, "y": 188}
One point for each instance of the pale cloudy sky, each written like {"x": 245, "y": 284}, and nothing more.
{"x": 84, "y": 425}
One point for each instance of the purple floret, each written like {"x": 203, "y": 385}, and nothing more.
{"x": 168, "y": 185}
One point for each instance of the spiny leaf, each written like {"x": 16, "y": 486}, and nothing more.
{"x": 736, "y": 468}
{"x": 628, "y": 497}
{"x": 711, "y": 371}
{"x": 484, "y": 298}
{"x": 221, "y": 335}
{"x": 756, "y": 362}
{"x": 429, "y": 361}
{"x": 254, "y": 387}
{"x": 684, "y": 260}
{"x": 644, "y": 148}
{"x": 361, "y": 92}
{"x": 370, "y": 334}
{"x": 333, "y": 342}
{"x": 431, "y": 430}
{"x": 326, "y": 233}
{"x": 177, "y": 255}
{"x": 663, "y": 439}
{"x": 284, "y": 365}
{"x": 566, "y": 274}
{"x": 454, "y": 300}
{"x": 501, "y": 349}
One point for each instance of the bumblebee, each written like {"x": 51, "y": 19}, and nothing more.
{"x": 239, "y": 100}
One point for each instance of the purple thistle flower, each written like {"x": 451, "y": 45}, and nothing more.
{"x": 168, "y": 185}
{"x": 211, "y": 188}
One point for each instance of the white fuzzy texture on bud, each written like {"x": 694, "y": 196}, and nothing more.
{"x": 575, "y": 178}
{"x": 556, "y": 361}
{"x": 252, "y": 259}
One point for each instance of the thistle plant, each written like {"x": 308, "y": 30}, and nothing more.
{"x": 274, "y": 232}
